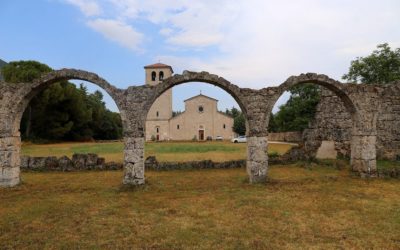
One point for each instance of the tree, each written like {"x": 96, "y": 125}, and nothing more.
{"x": 234, "y": 112}
{"x": 382, "y": 66}
{"x": 23, "y": 71}
{"x": 299, "y": 110}
{"x": 62, "y": 111}
{"x": 239, "y": 124}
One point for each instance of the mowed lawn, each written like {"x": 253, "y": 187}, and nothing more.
{"x": 164, "y": 151}
{"x": 300, "y": 208}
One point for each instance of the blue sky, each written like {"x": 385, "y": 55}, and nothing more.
{"x": 252, "y": 43}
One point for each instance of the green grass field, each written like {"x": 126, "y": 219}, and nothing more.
{"x": 164, "y": 151}
{"x": 300, "y": 208}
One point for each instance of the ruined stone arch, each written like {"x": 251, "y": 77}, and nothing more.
{"x": 32, "y": 89}
{"x": 203, "y": 77}
{"x": 318, "y": 79}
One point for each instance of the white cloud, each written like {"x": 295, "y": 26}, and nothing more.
{"x": 255, "y": 43}
{"x": 119, "y": 32}
{"x": 87, "y": 7}
{"x": 166, "y": 31}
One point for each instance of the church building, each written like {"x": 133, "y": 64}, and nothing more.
{"x": 200, "y": 119}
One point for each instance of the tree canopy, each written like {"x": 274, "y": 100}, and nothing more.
{"x": 62, "y": 111}
{"x": 299, "y": 110}
{"x": 239, "y": 121}
{"x": 382, "y": 66}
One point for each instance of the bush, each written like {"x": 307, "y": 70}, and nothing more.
{"x": 273, "y": 154}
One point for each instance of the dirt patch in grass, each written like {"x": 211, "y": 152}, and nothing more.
{"x": 317, "y": 207}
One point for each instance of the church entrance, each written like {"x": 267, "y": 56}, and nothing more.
{"x": 201, "y": 135}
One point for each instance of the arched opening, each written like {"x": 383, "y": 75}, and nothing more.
{"x": 317, "y": 115}
{"x": 70, "y": 124}
{"x": 200, "y": 123}
{"x": 161, "y": 76}
{"x": 153, "y": 76}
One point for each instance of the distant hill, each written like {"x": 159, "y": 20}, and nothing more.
{"x": 2, "y": 63}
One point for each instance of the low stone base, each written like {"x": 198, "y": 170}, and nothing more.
{"x": 134, "y": 161}
{"x": 9, "y": 177}
{"x": 363, "y": 155}
{"x": 257, "y": 159}
{"x": 365, "y": 168}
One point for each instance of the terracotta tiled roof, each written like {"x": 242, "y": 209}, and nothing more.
{"x": 158, "y": 65}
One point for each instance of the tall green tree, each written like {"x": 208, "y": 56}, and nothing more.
{"x": 299, "y": 110}
{"x": 62, "y": 111}
{"x": 239, "y": 124}
{"x": 239, "y": 121}
{"x": 382, "y": 66}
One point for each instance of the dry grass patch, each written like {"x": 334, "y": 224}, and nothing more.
{"x": 320, "y": 208}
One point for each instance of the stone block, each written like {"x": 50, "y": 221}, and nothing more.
{"x": 133, "y": 156}
{"x": 37, "y": 163}
{"x": 9, "y": 177}
{"x": 134, "y": 173}
{"x": 10, "y": 144}
{"x": 363, "y": 147}
{"x": 65, "y": 164}
{"x": 25, "y": 162}
{"x": 51, "y": 163}
{"x": 9, "y": 158}
{"x": 79, "y": 161}
{"x": 91, "y": 160}
{"x": 364, "y": 167}
{"x": 134, "y": 143}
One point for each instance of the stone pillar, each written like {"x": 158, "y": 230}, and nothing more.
{"x": 257, "y": 159}
{"x": 134, "y": 161}
{"x": 9, "y": 161}
{"x": 363, "y": 155}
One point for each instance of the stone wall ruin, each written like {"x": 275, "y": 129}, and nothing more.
{"x": 333, "y": 123}
{"x": 362, "y": 102}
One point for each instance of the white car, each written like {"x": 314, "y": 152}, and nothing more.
{"x": 219, "y": 138}
{"x": 241, "y": 138}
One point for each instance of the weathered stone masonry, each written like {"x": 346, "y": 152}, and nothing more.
{"x": 332, "y": 122}
{"x": 361, "y": 101}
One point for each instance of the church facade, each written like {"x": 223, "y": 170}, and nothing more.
{"x": 200, "y": 119}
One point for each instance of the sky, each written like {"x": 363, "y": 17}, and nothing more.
{"x": 251, "y": 43}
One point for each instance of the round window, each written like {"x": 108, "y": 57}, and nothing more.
{"x": 201, "y": 109}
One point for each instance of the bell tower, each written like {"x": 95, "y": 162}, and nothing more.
{"x": 157, "y": 122}
{"x": 155, "y": 73}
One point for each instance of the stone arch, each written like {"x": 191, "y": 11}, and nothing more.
{"x": 203, "y": 77}
{"x": 361, "y": 102}
{"x": 14, "y": 102}
{"x": 247, "y": 101}
{"x": 44, "y": 81}
{"x": 321, "y": 80}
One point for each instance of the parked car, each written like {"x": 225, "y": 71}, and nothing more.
{"x": 219, "y": 138}
{"x": 209, "y": 138}
{"x": 241, "y": 138}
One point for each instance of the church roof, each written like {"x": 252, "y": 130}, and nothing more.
{"x": 158, "y": 66}
{"x": 200, "y": 95}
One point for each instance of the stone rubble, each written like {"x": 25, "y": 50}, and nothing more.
{"x": 78, "y": 162}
